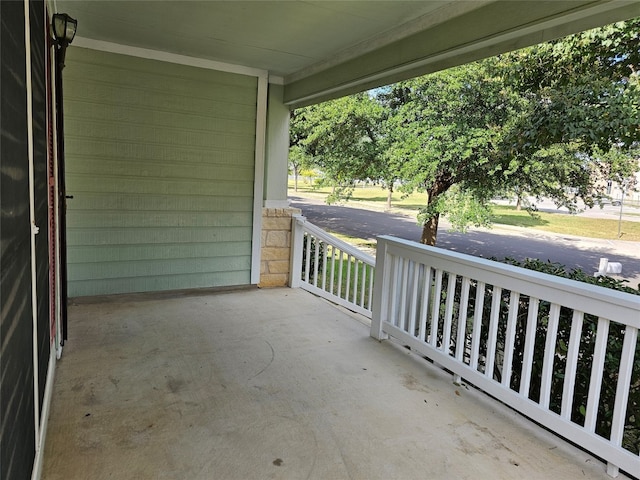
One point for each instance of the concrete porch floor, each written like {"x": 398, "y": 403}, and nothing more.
{"x": 272, "y": 384}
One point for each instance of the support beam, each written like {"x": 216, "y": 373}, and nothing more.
{"x": 494, "y": 28}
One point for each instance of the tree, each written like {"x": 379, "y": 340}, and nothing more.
{"x": 299, "y": 159}
{"x": 389, "y": 172}
{"x": 544, "y": 121}
{"x": 448, "y": 126}
{"x": 343, "y": 137}
{"x": 582, "y": 116}
{"x": 551, "y": 120}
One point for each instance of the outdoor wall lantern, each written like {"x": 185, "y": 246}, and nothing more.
{"x": 64, "y": 29}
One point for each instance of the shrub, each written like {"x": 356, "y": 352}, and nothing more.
{"x": 631, "y": 438}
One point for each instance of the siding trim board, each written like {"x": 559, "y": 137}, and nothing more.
{"x": 32, "y": 217}
{"x": 41, "y": 189}
{"x": 165, "y": 160}
{"x": 166, "y": 57}
{"x": 258, "y": 189}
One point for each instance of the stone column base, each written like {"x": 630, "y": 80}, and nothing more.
{"x": 276, "y": 246}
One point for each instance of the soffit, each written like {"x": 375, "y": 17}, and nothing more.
{"x": 282, "y": 37}
{"x": 324, "y": 49}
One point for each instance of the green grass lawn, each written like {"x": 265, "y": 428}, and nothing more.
{"x": 345, "y": 276}
{"x": 566, "y": 224}
{"x": 369, "y": 194}
{"x": 339, "y": 274}
{"x": 503, "y": 214}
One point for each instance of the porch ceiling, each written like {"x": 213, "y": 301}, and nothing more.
{"x": 325, "y": 49}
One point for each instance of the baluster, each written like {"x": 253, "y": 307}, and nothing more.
{"x": 424, "y": 307}
{"x": 340, "y": 262}
{"x": 572, "y": 364}
{"x": 477, "y": 325}
{"x": 363, "y": 284}
{"x": 414, "y": 300}
{"x": 324, "y": 266}
{"x": 333, "y": 269}
{"x": 622, "y": 390}
{"x": 348, "y": 282}
{"x": 595, "y": 384}
{"x": 529, "y": 345}
{"x": 355, "y": 280}
{"x": 402, "y": 316}
{"x": 448, "y": 313}
{"x": 435, "y": 309}
{"x": 307, "y": 263}
{"x": 393, "y": 287}
{"x": 512, "y": 319}
{"x": 371, "y": 275}
{"x": 316, "y": 256}
{"x": 549, "y": 355}
{"x": 462, "y": 325}
{"x": 492, "y": 339}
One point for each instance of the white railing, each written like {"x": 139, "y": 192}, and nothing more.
{"x": 328, "y": 267}
{"x": 564, "y": 353}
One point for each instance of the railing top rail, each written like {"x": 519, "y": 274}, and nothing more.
{"x": 344, "y": 246}
{"x": 603, "y": 302}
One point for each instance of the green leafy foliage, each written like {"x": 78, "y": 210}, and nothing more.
{"x": 342, "y": 137}
{"x": 451, "y": 123}
{"x": 580, "y": 118}
{"x": 552, "y": 120}
{"x": 631, "y": 438}
{"x": 585, "y": 357}
{"x": 461, "y": 208}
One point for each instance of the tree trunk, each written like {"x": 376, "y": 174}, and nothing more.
{"x": 389, "y": 193}
{"x": 518, "y": 203}
{"x": 295, "y": 179}
{"x": 430, "y": 226}
{"x": 430, "y": 230}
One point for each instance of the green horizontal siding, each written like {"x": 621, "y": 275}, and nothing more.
{"x": 118, "y": 253}
{"x": 89, "y": 148}
{"x": 135, "y": 73}
{"x": 130, "y": 183}
{"x": 175, "y": 266}
{"x": 160, "y": 163}
{"x": 160, "y": 219}
{"x": 180, "y": 203}
{"x": 127, "y": 114}
{"x": 133, "y": 236}
{"x": 158, "y": 135}
{"x": 158, "y": 282}
{"x": 162, "y": 170}
{"x": 227, "y": 103}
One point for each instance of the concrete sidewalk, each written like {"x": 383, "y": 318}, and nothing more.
{"x": 272, "y": 384}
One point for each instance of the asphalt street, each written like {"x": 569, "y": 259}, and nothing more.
{"x": 518, "y": 243}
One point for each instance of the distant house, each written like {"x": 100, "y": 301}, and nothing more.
{"x": 630, "y": 192}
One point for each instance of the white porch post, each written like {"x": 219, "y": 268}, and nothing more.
{"x": 276, "y": 215}
{"x": 380, "y": 307}
{"x": 277, "y": 154}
